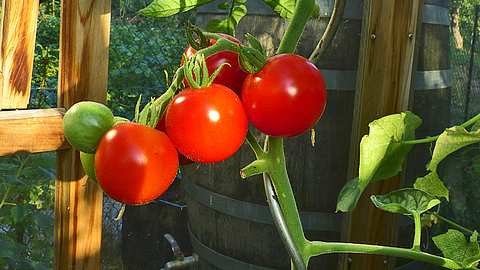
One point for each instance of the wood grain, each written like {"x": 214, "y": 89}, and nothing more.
{"x": 19, "y": 26}
{"x": 84, "y": 41}
{"x": 31, "y": 131}
{"x": 384, "y": 85}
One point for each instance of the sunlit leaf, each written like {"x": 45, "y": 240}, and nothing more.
{"x": 455, "y": 246}
{"x": 432, "y": 184}
{"x": 237, "y": 11}
{"x": 382, "y": 152}
{"x": 451, "y": 140}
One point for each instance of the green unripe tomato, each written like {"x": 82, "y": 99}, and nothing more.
{"x": 85, "y": 123}
{"x": 88, "y": 164}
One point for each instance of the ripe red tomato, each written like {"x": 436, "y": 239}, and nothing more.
{"x": 286, "y": 98}
{"x": 161, "y": 126}
{"x": 206, "y": 124}
{"x": 135, "y": 164}
{"x": 231, "y": 76}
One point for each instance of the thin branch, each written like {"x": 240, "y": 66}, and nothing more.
{"x": 330, "y": 30}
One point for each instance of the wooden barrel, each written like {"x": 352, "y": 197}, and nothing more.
{"x": 230, "y": 225}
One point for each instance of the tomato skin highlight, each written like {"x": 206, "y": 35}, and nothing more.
{"x": 208, "y": 124}
{"x": 231, "y": 76}
{"x": 135, "y": 164}
{"x": 286, "y": 98}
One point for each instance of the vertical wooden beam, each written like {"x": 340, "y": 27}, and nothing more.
{"x": 84, "y": 41}
{"x": 19, "y": 27}
{"x": 384, "y": 84}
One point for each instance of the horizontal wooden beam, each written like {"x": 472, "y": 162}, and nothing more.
{"x": 31, "y": 131}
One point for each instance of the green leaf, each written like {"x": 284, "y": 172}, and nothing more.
{"x": 382, "y": 154}
{"x": 451, "y": 140}
{"x": 284, "y": 8}
{"x": 455, "y": 246}
{"x": 407, "y": 201}
{"x": 238, "y": 9}
{"x": 349, "y": 196}
{"x": 165, "y": 8}
{"x": 432, "y": 184}
{"x": 382, "y": 151}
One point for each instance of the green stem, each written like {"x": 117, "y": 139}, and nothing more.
{"x": 253, "y": 143}
{"x": 452, "y": 223}
{"x": 301, "y": 15}
{"x": 321, "y": 248}
{"x": 468, "y": 123}
{"x": 418, "y": 232}
{"x": 257, "y": 167}
{"x": 280, "y": 180}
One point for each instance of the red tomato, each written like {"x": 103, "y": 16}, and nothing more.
{"x": 286, "y": 98}
{"x": 161, "y": 126}
{"x": 206, "y": 124}
{"x": 135, "y": 164}
{"x": 231, "y": 76}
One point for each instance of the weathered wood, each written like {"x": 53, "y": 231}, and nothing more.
{"x": 31, "y": 131}
{"x": 384, "y": 84}
{"x": 19, "y": 27}
{"x": 84, "y": 41}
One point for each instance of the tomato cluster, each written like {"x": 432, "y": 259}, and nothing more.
{"x": 205, "y": 123}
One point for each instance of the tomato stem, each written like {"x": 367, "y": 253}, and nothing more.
{"x": 418, "y": 232}
{"x": 253, "y": 143}
{"x": 321, "y": 248}
{"x": 466, "y": 124}
{"x": 451, "y": 223}
{"x": 257, "y": 167}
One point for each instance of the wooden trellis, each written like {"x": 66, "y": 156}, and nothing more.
{"x": 83, "y": 73}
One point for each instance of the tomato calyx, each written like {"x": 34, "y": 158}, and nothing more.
{"x": 196, "y": 71}
{"x": 252, "y": 57}
{"x": 196, "y": 38}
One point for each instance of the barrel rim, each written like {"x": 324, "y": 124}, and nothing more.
{"x": 312, "y": 221}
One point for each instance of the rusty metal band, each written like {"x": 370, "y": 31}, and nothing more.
{"x": 219, "y": 260}
{"x": 338, "y": 80}
{"x": 312, "y": 221}
{"x": 433, "y": 11}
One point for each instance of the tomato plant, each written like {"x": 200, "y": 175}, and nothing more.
{"x": 232, "y": 75}
{"x": 135, "y": 164}
{"x": 286, "y": 98}
{"x": 206, "y": 124}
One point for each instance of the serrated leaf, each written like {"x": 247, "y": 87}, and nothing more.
{"x": 455, "y": 246}
{"x": 349, "y": 196}
{"x": 451, "y": 140}
{"x": 165, "y": 8}
{"x": 407, "y": 201}
{"x": 432, "y": 184}
{"x": 284, "y": 8}
{"x": 238, "y": 10}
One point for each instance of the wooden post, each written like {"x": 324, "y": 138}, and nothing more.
{"x": 84, "y": 41}
{"x": 20, "y": 130}
{"x": 384, "y": 84}
{"x": 19, "y": 27}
